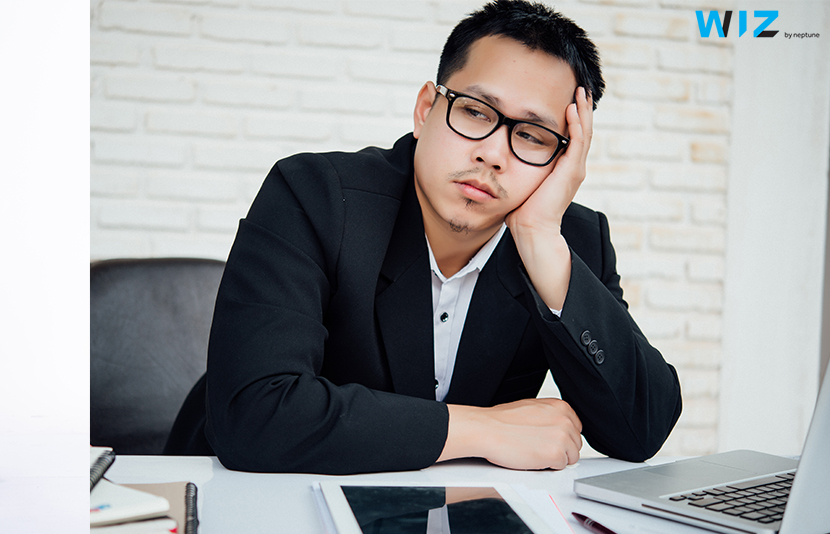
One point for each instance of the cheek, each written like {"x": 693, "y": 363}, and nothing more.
{"x": 433, "y": 125}
{"x": 526, "y": 184}
{"x": 443, "y": 151}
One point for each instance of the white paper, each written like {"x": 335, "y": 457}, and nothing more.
{"x": 545, "y": 507}
{"x": 110, "y": 503}
{"x": 323, "y": 509}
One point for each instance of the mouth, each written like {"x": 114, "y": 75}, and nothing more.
{"x": 476, "y": 190}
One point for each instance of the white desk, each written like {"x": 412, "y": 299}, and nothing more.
{"x": 231, "y": 501}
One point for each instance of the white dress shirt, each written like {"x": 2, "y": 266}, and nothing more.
{"x": 450, "y": 302}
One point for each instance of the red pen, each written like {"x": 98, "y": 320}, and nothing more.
{"x": 592, "y": 525}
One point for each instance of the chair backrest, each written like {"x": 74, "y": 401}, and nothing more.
{"x": 149, "y": 326}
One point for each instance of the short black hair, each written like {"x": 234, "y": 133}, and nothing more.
{"x": 536, "y": 26}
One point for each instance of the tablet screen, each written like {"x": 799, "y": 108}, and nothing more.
{"x": 422, "y": 510}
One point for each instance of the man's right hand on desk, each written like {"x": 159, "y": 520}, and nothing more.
{"x": 525, "y": 434}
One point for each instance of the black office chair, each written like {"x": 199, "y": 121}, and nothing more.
{"x": 149, "y": 326}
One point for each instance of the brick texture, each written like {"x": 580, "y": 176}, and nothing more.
{"x": 192, "y": 102}
{"x": 267, "y": 30}
{"x": 658, "y": 26}
{"x": 152, "y": 19}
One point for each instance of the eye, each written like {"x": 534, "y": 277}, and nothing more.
{"x": 528, "y": 137}
{"x": 476, "y": 111}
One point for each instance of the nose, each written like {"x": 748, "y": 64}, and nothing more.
{"x": 493, "y": 150}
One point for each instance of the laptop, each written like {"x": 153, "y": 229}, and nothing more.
{"x": 735, "y": 492}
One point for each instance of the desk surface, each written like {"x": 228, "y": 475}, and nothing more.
{"x": 231, "y": 501}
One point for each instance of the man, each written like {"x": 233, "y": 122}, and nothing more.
{"x": 377, "y": 314}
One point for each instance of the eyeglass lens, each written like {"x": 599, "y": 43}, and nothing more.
{"x": 476, "y": 120}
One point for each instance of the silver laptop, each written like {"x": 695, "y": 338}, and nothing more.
{"x": 733, "y": 492}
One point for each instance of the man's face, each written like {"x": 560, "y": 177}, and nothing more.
{"x": 470, "y": 186}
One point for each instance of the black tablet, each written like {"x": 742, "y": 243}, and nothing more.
{"x": 400, "y": 509}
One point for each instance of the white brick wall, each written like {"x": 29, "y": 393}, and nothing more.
{"x": 192, "y": 101}
{"x": 660, "y": 173}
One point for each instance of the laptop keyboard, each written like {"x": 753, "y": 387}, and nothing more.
{"x": 760, "y": 500}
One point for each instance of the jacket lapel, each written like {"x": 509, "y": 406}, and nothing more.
{"x": 495, "y": 325}
{"x": 403, "y": 304}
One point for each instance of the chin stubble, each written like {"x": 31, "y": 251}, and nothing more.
{"x": 459, "y": 227}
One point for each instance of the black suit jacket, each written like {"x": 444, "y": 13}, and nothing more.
{"x": 321, "y": 350}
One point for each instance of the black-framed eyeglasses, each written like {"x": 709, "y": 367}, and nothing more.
{"x": 475, "y": 119}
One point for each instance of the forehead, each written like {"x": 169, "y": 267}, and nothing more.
{"x": 523, "y": 81}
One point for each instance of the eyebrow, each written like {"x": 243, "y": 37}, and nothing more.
{"x": 495, "y": 101}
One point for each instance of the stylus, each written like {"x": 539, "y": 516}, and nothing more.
{"x": 592, "y": 525}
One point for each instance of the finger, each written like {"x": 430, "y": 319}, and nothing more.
{"x": 575, "y": 434}
{"x": 583, "y": 101}
{"x": 572, "y": 448}
{"x": 574, "y": 440}
{"x": 572, "y": 426}
{"x": 573, "y": 456}
{"x": 585, "y": 107}
{"x": 581, "y": 137}
{"x": 574, "y": 126}
{"x": 577, "y": 422}
{"x": 565, "y": 457}
{"x": 566, "y": 409}
{"x": 577, "y": 444}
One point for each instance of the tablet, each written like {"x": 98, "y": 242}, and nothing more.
{"x": 392, "y": 509}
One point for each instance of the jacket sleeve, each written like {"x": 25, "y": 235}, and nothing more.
{"x": 268, "y": 408}
{"x": 626, "y": 395}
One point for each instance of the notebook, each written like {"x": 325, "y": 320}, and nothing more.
{"x": 100, "y": 459}
{"x": 733, "y": 492}
{"x": 143, "y": 508}
{"x": 111, "y": 503}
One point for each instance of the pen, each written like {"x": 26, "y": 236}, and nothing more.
{"x": 592, "y": 525}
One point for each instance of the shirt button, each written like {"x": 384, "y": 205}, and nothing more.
{"x": 444, "y": 317}
{"x": 436, "y": 383}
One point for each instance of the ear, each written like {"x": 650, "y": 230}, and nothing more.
{"x": 423, "y": 105}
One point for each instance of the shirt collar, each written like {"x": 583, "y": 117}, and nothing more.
{"x": 476, "y": 263}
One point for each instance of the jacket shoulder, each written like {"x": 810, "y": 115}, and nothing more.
{"x": 372, "y": 170}
{"x": 586, "y": 232}
{"x": 579, "y": 215}
{"x": 581, "y": 223}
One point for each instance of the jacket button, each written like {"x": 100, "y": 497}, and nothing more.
{"x": 599, "y": 357}
{"x": 586, "y": 338}
{"x": 593, "y": 347}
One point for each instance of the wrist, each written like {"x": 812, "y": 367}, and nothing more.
{"x": 548, "y": 264}
{"x": 464, "y": 436}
